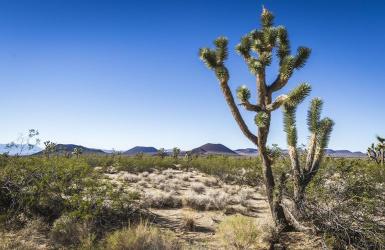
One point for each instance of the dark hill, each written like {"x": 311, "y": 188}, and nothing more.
{"x": 69, "y": 148}
{"x": 139, "y": 149}
{"x": 211, "y": 148}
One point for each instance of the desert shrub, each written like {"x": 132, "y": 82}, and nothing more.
{"x": 160, "y": 199}
{"x": 142, "y": 237}
{"x": 198, "y": 187}
{"x": 238, "y": 232}
{"x": 212, "y": 200}
{"x": 130, "y": 177}
{"x": 104, "y": 207}
{"x": 346, "y": 202}
{"x": 49, "y": 188}
{"x": 245, "y": 170}
{"x": 40, "y": 187}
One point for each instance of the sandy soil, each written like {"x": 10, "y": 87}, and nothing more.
{"x": 173, "y": 195}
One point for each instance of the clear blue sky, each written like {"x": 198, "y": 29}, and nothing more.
{"x": 115, "y": 74}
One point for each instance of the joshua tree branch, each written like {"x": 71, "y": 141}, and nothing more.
{"x": 236, "y": 114}
{"x": 250, "y": 107}
{"x": 261, "y": 86}
{"x": 277, "y": 103}
{"x": 310, "y": 152}
{"x": 278, "y": 84}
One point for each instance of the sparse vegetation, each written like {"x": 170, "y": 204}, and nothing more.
{"x": 142, "y": 237}
{"x": 239, "y": 232}
{"x": 80, "y": 204}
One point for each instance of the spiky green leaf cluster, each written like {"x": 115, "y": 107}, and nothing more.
{"x": 325, "y": 129}
{"x": 289, "y": 118}
{"x": 297, "y": 95}
{"x": 261, "y": 119}
{"x": 243, "y": 93}
{"x": 286, "y": 68}
{"x": 221, "y": 49}
{"x": 214, "y": 59}
{"x": 314, "y": 114}
{"x": 283, "y": 43}
{"x": 303, "y": 54}
{"x": 267, "y": 18}
{"x": 208, "y": 57}
{"x": 243, "y": 48}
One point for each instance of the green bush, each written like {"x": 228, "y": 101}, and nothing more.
{"x": 40, "y": 187}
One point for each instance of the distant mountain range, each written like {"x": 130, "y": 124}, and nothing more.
{"x": 69, "y": 148}
{"x": 247, "y": 151}
{"x": 206, "y": 149}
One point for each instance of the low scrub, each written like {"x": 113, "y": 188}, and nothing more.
{"x": 238, "y": 232}
{"x": 142, "y": 237}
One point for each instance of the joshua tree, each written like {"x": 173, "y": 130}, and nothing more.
{"x": 320, "y": 131}
{"x": 175, "y": 153}
{"x": 50, "y": 147}
{"x": 139, "y": 155}
{"x": 162, "y": 153}
{"x": 377, "y": 152}
{"x": 77, "y": 152}
{"x": 257, "y": 48}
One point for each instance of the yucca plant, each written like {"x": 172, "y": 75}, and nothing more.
{"x": 377, "y": 152}
{"x": 257, "y": 49}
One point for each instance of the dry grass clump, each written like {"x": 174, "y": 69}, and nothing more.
{"x": 31, "y": 237}
{"x": 185, "y": 176}
{"x": 142, "y": 237}
{"x": 68, "y": 231}
{"x": 198, "y": 187}
{"x": 196, "y": 201}
{"x": 144, "y": 174}
{"x": 143, "y": 183}
{"x": 238, "y": 232}
{"x": 188, "y": 221}
{"x": 159, "y": 179}
{"x": 130, "y": 177}
{"x": 210, "y": 181}
{"x": 232, "y": 189}
{"x": 170, "y": 185}
{"x": 160, "y": 199}
{"x": 212, "y": 200}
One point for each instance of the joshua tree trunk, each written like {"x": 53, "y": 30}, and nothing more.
{"x": 271, "y": 189}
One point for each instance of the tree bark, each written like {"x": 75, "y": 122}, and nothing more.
{"x": 271, "y": 190}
